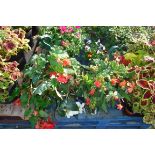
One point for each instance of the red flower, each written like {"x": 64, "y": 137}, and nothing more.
{"x": 114, "y": 81}
{"x": 97, "y": 84}
{"x": 17, "y": 102}
{"x": 45, "y": 124}
{"x": 63, "y": 78}
{"x": 66, "y": 62}
{"x": 87, "y": 101}
{"x": 53, "y": 74}
{"x": 92, "y": 92}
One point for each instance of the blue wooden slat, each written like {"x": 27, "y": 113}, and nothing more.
{"x": 113, "y": 120}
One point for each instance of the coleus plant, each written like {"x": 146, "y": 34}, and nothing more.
{"x": 11, "y": 42}
{"x": 144, "y": 95}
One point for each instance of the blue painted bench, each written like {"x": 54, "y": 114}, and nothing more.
{"x": 114, "y": 119}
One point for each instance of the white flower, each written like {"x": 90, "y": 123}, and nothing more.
{"x": 102, "y": 47}
{"x": 115, "y": 93}
{"x": 89, "y": 42}
{"x": 98, "y": 41}
{"x": 149, "y": 59}
{"x": 71, "y": 113}
{"x": 80, "y": 111}
{"x": 80, "y": 106}
{"x": 87, "y": 48}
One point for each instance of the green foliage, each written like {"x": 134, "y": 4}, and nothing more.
{"x": 116, "y": 57}
{"x": 137, "y": 58}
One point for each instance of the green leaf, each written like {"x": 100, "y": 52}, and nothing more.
{"x": 24, "y": 99}
{"x": 28, "y": 112}
{"x": 14, "y": 94}
{"x": 61, "y": 54}
{"x": 59, "y": 95}
{"x": 43, "y": 113}
{"x": 130, "y": 56}
{"x": 104, "y": 107}
{"x": 124, "y": 94}
{"x": 39, "y": 101}
{"x": 46, "y": 41}
{"x": 69, "y": 71}
{"x": 33, "y": 121}
{"x": 42, "y": 88}
{"x": 55, "y": 66}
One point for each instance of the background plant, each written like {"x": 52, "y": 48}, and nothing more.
{"x": 12, "y": 41}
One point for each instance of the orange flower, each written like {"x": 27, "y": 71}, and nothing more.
{"x": 97, "y": 84}
{"x": 66, "y": 62}
{"x": 119, "y": 106}
{"x": 114, "y": 81}
{"x": 122, "y": 84}
{"x": 89, "y": 55}
{"x": 92, "y": 92}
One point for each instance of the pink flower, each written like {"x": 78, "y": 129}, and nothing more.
{"x": 78, "y": 27}
{"x": 64, "y": 43}
{"x": 70, "y": 29}
{"x": 78, "y": 35}
{"x": 63, "y": 29}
